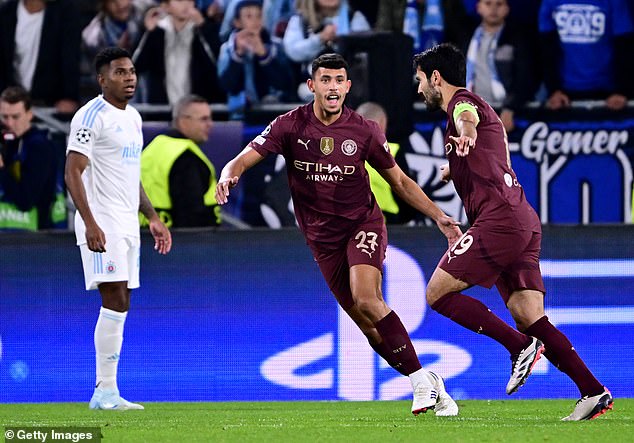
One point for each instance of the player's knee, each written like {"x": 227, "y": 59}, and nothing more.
{"x": 117, "y": 304}
{"x": 118, "y": 301}
{"x": 372, "y": 309}
{"x": 433, "y": 294}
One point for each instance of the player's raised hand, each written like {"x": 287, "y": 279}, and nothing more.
{"x": 463, "y": 144}
{"x": 223, "y": 187}
{"x": 162, "y": 236}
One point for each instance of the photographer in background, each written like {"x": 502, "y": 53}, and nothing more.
{"x": 27, "y": 166}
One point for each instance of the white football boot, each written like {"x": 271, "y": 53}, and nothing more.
{"x": 523, "y": 363}
{"x": 588, "y": 408}
{"x": 445, "y": 406}
{"x": 110, "y": 399}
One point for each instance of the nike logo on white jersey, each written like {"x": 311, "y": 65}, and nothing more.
{"x": 305, "y": 143}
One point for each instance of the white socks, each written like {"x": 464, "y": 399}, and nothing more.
{"x": 108, "y": 341}
{"x": 420, "y": 377}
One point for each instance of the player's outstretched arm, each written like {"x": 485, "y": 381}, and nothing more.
{"x": 409, "y": 191}
{"x": 466, "y": 123}
{"x": 75, "y": 165}
{"x": 162, "y": 236}
{"x": 233, "y": 170}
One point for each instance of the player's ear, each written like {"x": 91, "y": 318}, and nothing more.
{"x": 435, "y": 76}
{"x": 349, "y": 85}
{"x": 100, "y": 79}
{"x": 310, "y": 84}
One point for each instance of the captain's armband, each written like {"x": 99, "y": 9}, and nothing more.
{"x": 465, "y": 106}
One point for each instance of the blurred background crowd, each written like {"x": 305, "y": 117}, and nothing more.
{"x": 248, "y": 53}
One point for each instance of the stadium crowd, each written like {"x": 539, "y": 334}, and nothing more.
{"x": 248, "y": 52}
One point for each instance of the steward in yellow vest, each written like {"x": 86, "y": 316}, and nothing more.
{"x": 180, "y": 181}
{"x": 177, "y": 176}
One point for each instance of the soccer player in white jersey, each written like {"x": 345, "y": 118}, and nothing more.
{"x": 103, "y": 177}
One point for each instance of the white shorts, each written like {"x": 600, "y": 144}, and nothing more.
{"x": 120, "y": 262}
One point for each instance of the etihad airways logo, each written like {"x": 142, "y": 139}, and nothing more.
{"x": 322, "y": 172}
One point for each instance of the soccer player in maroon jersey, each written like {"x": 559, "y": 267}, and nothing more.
{"x": 325, "y": 145}
{"x": 503, "y": 243}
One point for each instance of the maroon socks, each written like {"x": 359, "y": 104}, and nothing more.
{"x": 475, "y": 316}
{"x": 396, "y": 347}
{"x": 562, "y": 354}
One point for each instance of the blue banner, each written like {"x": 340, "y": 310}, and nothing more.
{"x": 571, "y": 171}
{"x": 246, "y": 316}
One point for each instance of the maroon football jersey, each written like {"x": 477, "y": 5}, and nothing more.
{"x": 484, "y": 179}
{"x": 326, "y": 169}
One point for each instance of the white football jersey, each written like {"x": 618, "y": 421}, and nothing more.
{"x": 112, "y": 140}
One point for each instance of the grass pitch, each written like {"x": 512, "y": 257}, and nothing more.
{"x": 479, "y": 421}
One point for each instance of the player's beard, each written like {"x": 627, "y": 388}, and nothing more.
{"x": 433, "y": 99}
{"x": 328, "y": 112}
{"x": 331, "y": 113}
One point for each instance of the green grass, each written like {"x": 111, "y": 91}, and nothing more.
{"x": 350, "y": 422}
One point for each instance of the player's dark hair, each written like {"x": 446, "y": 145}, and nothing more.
{"x": 106, "y": 55}
{"x": 446, "y": 59}
{"x": 329, "y": 61}
{"x": 16, "y": 94}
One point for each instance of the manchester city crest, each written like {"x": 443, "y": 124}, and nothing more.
{"x": 327, "y": 145}
{"x": 349, "y": 147}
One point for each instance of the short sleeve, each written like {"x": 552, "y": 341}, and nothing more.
{"x": 465, "y": 105}
{"x": 84, "y": 130}
{"x": 379, "y": 155}
{"x": 271, "y": 139}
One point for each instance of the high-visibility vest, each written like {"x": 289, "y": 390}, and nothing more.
{"x": 157, "y": 160}
{"x": 381, "y": 189}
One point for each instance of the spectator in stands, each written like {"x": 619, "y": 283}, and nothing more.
{"x": 178, "y": 54}
{"x": 586, "y": 47}
{"x": 276, "y": 14}
{"x": 27, "y": 166}
{"x": 40, "y": 51}
{"x": 212, "y": 9}
{"x": 499, "y": 65}
{"x": 252, "y": 67}
{"x": 118, "y": 23}
{"x": 428, "y": 22}
{"x": 177, "y": 176}
{"x": 314, "y": 31}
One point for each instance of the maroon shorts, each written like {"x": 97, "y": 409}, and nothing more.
{"x": 366, "y": 245}
{"x": 507, "y": 258}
